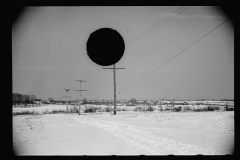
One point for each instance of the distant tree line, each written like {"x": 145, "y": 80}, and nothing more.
{"x": 19, "y": 99}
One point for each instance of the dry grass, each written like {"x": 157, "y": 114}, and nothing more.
{"x": 27, "y": 112}
{"x": 96, "y": 108}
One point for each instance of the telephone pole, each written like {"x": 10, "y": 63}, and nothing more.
{"x": 67, "y": 97}
{"x": 80, "y": 95}
{"x": 114, "y": 82}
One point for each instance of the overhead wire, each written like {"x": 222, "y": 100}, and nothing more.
{"x": 172, "y": 57}
{"x": 178, "y": 32}
{"x": 145, "y": 32}
{"x": 134, "y": 39}
{"x": 142, "y": 34}
{"x": 143, "y": 58}
{"x": 154, "y": 27}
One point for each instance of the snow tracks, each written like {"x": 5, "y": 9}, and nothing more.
{"x": 145, "y": 141}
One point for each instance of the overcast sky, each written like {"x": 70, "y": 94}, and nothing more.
{"x": 49, "y": 53}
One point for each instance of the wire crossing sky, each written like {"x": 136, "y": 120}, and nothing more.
{"x": 169, "y": 59}
{"x": 49, "y": 53}
{"x": 153, "y": 27}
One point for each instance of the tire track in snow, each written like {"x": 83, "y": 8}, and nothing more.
{"x": 144, "y": 140}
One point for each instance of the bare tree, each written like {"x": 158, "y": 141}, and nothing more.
{"x": 14, "y": 98}
{"x": 32, "y": 99}
{"x": 84, "y": 100}
{"x": 19, "y": 98}
{"x": 133, "y": 100}
{"x": 26, "y": 99}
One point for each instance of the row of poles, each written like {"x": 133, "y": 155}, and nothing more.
{"x": 114, "y": 82}
{"x": 80, "y": 96}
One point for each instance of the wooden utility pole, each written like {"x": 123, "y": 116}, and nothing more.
{"x": 67, "y": 97}
{"x": 114, "y": 82}
{"x": 80, "y": 95}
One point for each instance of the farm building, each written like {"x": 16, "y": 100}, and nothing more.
{"x": 38, "y": 102}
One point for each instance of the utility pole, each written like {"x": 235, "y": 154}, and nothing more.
{"x": 114, "y": 82}
{"x": 67, "y": 97}
{"x": 80, "y": 95}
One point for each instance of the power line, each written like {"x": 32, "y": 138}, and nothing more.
{"x": 172, "y": 42}
{"x": 80, "y": 95}
{"x": 137, "y": 37}
{"x": 172, "y": 57}
{"x": 140, "y": 35}
{"x": 181, "y": 31}
{"x": 152, "y": 28}
{"x": 97, "y": 70}
{"x": 67, "y": 97}
{"x": 62, "y": 90}
{"x": 114, "y": 82}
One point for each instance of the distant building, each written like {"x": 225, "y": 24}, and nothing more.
{"x": 38, "y": 102}
{"x": 140, "y": 101}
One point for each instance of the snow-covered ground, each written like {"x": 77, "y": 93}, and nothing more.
{"x": 41, "y": 109}
{"x": 62, "y": 107}
{"x": 127, "y": 133}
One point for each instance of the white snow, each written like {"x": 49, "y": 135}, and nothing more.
{"x": 127, "y": 133}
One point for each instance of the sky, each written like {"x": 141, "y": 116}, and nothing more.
{"x": 173, "y": 52}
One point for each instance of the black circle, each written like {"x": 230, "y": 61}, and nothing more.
{"x": 105, "y": 46}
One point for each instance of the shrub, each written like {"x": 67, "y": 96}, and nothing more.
{"x": 46, "y": 111}
{"x": 229, "y": 108}
{"x": 91, "y": 109}
{"x": 75, "y": 109}
{"x": 161, "y": 108}
{"x": 26, "y": 113}
{"x": 168, "y": 108}
{"x": 188, "y": 108}
{"x": 144, "y": 108}
{"x": 58, "y": 111}
{"x": 210, "y": 108}
{"x": 108, "y": 109}
{"x": 177, "y": 109}
{"x": 150, "y": 108}
{"x": 205, "y": 109}
{"x": 216, "y": 108}
{"x": 120, "y": 109}
{"x": 137, "y": 109}
{"x": 100, "y": 109}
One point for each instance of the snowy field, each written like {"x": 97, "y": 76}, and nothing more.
{"x": 63, "y": 108}
{"x": 42, "y": 108}
{"x": 127, "y": 133}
